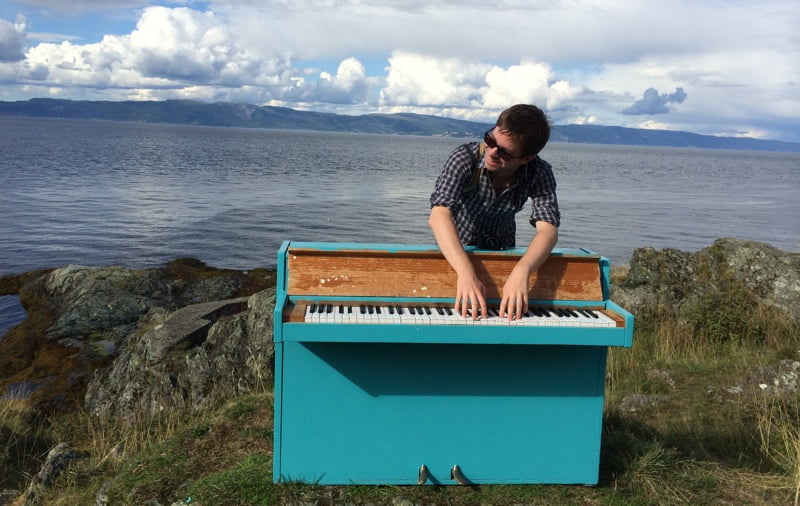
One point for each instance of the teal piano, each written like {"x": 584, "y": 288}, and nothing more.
{"x": 378, "y": 382}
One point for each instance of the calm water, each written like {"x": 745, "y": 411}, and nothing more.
{"x": 138, "y": 195}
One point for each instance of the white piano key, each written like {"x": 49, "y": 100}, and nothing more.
{"x": 406, "y": 317}
{"x": 326, "y": 316}
{"x": 350, "y": 314}
{"x": 361, "y": 313}
{"x": 315, "y": 313}
{"x": 605, "y": 320}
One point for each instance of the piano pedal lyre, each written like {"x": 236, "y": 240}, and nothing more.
{"x": 423, "y": 475}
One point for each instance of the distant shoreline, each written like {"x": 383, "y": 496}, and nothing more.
{"x": 185, "y": 112}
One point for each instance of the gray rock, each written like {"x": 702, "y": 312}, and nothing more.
{"x": 783, "y": 377}
{"x": 201, "y": 352}
{"x": 112, "y": 299}
{"x": 639, "y": 402}
{"x": 58, "y": 459}
{"x": 673, "y": 280}
{"x": 101, "y": 499}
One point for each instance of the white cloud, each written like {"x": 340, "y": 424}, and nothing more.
{"x": 468, "y": 88}
{"x": 582, "y": 61}
{"x": 419, "y": 80}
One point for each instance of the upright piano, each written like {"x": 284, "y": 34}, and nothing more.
{"x": 378, "y": 382}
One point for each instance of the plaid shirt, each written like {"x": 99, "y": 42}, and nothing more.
{"x": 479, "y": 213}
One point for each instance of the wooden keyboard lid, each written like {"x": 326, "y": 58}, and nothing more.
{"x": 397, "y": 271}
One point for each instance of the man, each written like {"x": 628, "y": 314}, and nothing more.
{"x": 477, "y": 197}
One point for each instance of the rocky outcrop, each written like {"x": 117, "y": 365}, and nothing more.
{"x": 201, "y": 352}
{"x": 735, "y": 273}
{"x": 83, "y": 319}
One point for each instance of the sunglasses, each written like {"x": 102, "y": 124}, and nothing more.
{"x": 488, "y": 138}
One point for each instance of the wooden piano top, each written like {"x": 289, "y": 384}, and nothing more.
{"x": 403, "y": 271}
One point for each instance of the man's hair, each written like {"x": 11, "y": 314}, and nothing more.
{"x": 528, "y": 125}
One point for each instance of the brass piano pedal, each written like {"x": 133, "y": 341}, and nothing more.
{"x": 456, "y": 474}
{"x": 423, "y": 475}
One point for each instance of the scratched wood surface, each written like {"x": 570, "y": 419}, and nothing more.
{"x": 370, "y": 273}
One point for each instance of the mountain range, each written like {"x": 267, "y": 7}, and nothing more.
{"x": 225, "y": 114}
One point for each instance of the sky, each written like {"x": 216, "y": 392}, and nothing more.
{"x": 717, "y": 67}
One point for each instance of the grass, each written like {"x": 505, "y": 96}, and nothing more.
{"x": 702, "y": 442}
{"x": 24, "y": 441}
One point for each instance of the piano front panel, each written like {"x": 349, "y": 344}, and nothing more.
{"x": 357, "y": 413}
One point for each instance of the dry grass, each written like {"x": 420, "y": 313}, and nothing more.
{"x": 778, "y": 424}
{"x": 24, "y": 441}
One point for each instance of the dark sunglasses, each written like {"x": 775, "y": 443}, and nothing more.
{"x": 488, "y": 138}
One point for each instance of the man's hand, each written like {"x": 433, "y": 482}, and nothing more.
{"x": 470, "y": 292}
{"x": 470, "y": 295}
{"x": 515, "y": 294}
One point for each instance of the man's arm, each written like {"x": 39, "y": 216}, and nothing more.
{"x": 515, "y": 290}
{"x": 470, "y": 292}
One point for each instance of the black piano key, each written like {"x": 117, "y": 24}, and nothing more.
{"x": 329, "y": 308}
{"x": 363, "y": 309}
{"x": 341, "y": 309}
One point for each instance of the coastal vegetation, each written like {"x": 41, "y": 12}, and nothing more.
{"x": 704, "y": 409}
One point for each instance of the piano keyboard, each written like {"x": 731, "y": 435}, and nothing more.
{"x": 427, "y": 315}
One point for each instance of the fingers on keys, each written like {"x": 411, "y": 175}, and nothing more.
{"x": 513, "y": 309}
{"x": 471, "y": 307}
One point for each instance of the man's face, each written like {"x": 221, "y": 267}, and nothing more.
{"x": 503, "y": 153}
